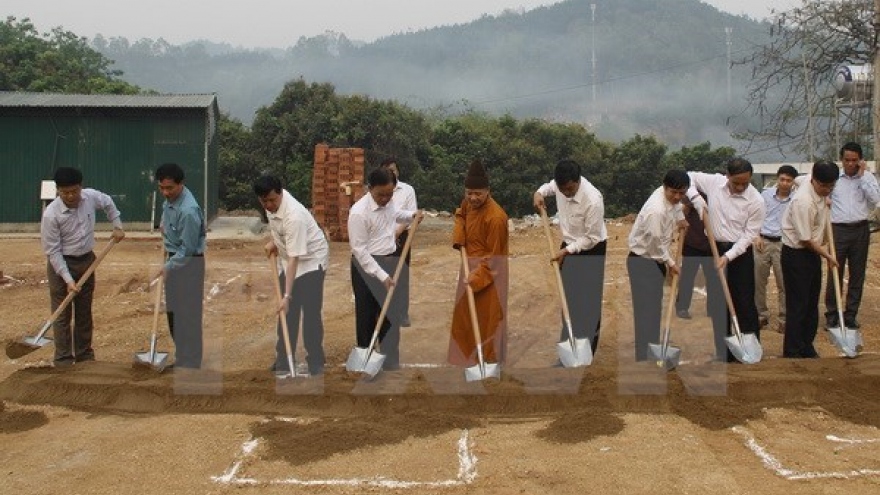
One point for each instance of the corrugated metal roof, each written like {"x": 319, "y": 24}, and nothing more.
{"x": 56, "y": 100}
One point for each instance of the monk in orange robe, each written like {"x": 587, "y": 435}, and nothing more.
{"x": 481, "y": 228}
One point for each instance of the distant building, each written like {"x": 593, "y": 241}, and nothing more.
{"x": 116, "y": 140}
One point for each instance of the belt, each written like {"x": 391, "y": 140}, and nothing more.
{"x": 80, "y": 257}
{"x": 860, "y": 223}
{"x": 771, "y": 238}
{"x": 199, "y": 255}
{"x": 723, "y": 245}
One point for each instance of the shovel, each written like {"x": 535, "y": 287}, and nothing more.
{"x": 574, "y": 352}
{"x": 153, "y": 358}
{"x": 285, "y": 333}
{"x": 27, "y": 345}
{"x": 369, "y": 360}
{"x": 482, "y": 369}
{"x": 745, "y": 347}
{"x": 847, "y": 340}
{"x": 668, "y": 356}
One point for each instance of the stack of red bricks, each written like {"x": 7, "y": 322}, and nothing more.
{"x": 337, "y": 182}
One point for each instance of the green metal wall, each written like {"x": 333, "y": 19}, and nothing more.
{"x": 117, "y": 151}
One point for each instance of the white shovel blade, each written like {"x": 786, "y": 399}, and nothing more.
{"x": 845, "y": 340}
{"x": 36, "y": 342}
{"x": 581, "y": 354}
{"x": 477, "y": 372}
{"x": 753, "y": 347}
{"x": 668, "y": 359}
{"x": 159, "y": 361}
{"x": 365, "y": 361}
{"x": 750, "y": 352}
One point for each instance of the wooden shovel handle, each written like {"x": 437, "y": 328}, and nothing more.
{"x": 721, "y": 276}
{"x": 560, "y": 288}
{"x": 406, "y": 248}
{"x": 157, "y": 299}
{"x": 273, "y": 269}
{"x": 83, "y": 279}
{"x": 472, "y": 304}
{"x": 835, "y": 274}
{"x": 673, "y": 289}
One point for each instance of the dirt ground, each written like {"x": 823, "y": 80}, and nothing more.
{"x": 777, "y": 427}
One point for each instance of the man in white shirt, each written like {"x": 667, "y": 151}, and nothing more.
{"x": 768, "y": 245}
{"x": 581, "y": 256}
{"x": 67, "y": 234}
{"x": 736, "y": 213}
{"x": 404, "y": 199}
{"x": 303, "y": 253}
{"x": 855, "y": 196}
{"x": 650, "y": 257}
{"x": 372, "y": 229}
{"x": 803, "y": 235}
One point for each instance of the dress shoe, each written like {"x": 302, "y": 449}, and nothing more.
{"x": 63, "y": 364}
{"x": 683, "y": 314}
{"x": 852, "y": 324}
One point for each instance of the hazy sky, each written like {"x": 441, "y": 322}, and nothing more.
{"x": 279, "y": 23}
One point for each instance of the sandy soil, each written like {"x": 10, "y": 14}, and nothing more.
{"x": 778, "y": 427}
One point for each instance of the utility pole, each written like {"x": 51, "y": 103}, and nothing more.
{"x": 727, "y": 32}
{"x": 810, "y": 131}
{"x": 593, "y": 45}
{"x": 875, "y": 90}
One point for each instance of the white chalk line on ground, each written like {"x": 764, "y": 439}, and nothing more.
{"x": 772, "y": 463}
{"x": 851, "y": 441}
{"x": 467, "y": 471}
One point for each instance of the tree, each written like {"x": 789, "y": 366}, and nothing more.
{"x": 790, "y": 85}
{"x": 701, "y": 158}
{"x": 285, "y": 133}
{"x": 639, "y": 169}
{"x": 235, "y": 165}
{"x": 58, "y": 61}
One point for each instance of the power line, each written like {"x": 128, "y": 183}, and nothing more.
{"x": 604, "y": 81}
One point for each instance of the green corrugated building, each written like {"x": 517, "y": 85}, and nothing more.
{"x": 116, "y": 140}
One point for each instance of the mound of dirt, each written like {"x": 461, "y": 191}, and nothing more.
{"x": 326, "y": 437}
{"x": 410, "y": 401}
{"x": 20, "y": 420}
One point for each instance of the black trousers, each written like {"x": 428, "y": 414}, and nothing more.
{"x": 184, "y": 294}
{"x": 75, "y": 344}
{"x": 692, "y": 260}
{"x": 851, "y": 244}
{"x": 802, "y": 276}
{"x": 306, "y": 300}
{"x": 646, "y": 278}
{"x": 583, "y": 278}
{"x": 369, "y": 295}
{"x": 740, "y": 275}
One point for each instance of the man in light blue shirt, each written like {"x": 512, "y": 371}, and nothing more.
{"x": 184, "y": 236}
{"x": 67, "y": 233}
{"x": 768, "y": 245}
{"x": 855, "y": 196}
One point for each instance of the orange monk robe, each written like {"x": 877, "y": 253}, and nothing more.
{"x": 483, "y": 232}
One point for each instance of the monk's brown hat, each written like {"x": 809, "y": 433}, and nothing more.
{"x": 476, "y": 177}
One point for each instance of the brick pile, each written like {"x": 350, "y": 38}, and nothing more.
{"x": 337, "y": 183}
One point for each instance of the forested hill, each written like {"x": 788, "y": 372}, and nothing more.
{"x": 661, "y": 67}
